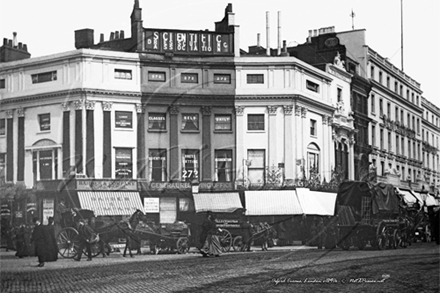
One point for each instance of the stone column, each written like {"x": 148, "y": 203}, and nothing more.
{"x": 174, "y": 143}
{"x": 79, "y": 137}
{"x": 272, "y": 131}
{"x": 240, "y": 145}
{"x": 289, "y": 146}
{"x": 325, "y": 156}
{"x": 298, "y": 141}
{"x": 90, "y": 139}
{"x": 141, "y": 133}
{"x": 107, "y": 141}
{"x": 206, "y": 144}
{"x": 20, "y": 145}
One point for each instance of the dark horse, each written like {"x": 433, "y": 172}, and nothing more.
{"x": 122, "y": 229}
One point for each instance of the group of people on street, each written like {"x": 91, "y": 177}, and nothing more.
{"x": 43, "y": 238}
{"x": 209, "y": 234}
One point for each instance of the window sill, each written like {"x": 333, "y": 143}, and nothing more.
{"x": 256, "y": 131}
{"x": 124, "y": 129}
{"x": 190, "y": 131}
{"x": 157, "y": 130}
{"x": 223, "y": 131}
{"x": 43, "y": 132}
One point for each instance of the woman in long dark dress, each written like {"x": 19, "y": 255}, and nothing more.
{"x": 52, "y": 247}
{"x": 215, "y": 248}
{"x": 39, "y": 236}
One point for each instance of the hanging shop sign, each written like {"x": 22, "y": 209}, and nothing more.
{"x": 48, "y": 209}
{"x": 151, "y": 205}
{"x": 192, "y": 42}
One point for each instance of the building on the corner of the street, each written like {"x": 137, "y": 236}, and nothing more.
{"x": 66, "y": 119}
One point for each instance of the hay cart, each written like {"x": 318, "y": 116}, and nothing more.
{"x": 367, "y": 214}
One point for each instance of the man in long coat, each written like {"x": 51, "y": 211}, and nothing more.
{"x": 85, "y": 234}
{"x": 40, "y": 242}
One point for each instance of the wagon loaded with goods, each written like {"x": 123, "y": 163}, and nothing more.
{"x": 368, "y": 214}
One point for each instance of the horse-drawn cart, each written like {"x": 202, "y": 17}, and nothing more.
{"x": 368, "y": 213}
{"x": 68, "y": 237}
{"x": 166, "y": 237}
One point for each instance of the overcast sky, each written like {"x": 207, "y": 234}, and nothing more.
{"x": 47, "y": 26}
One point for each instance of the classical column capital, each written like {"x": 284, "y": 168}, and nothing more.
{"x": 79, "y": 104}
{"x": 272, "y": 110}
{"x": 288, "y": 109}
{"x": 239, "y": 110}
{"x": 297, "y": 110}
{"x": 106, "y": 106}
{"x": 325, "y": 119}
{"x": 20, "y": 112}
{"x": 90, "y": 105}
{"x": 303, "y": 112}
{"x": 206, "y": 110}
{"x": 140, "y": 108}
{"x": 10, "y": 114}
{"x": 174, "y": 109}
{"x": 66, "y": 106}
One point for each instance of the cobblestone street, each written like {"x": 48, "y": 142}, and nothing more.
{"x": 284, "y": 269}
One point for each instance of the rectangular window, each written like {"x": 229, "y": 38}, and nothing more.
{"x": 373, "y": 104}
{"x": 123, "y": 163}
{"x": 396, "y": 87}
{"x": 402, "y": 145}
{"x": 256, "y": 166}
{"x": 312, "y": 127}
{"x": 255, "y": 121}
{"x": 311, "y": 86}
{"x": 373, "y": 135}
{"x": 381, "y": 139}
{"x": 388, "y": 110}
{"x": 223, "y": 166}
{"x": 44, "y": 77}
{"x": 380, "y": 77}
{"x": 413, "y": 123}
{"x": 414, "y": 151}
{"x": 123, "y": 74}
{"x": 123, "y": 119}
{"x": 156, "y": 76}
{"x": 255, "y": 78}
{"x": 157, "y": 121}
{"x": 401, "y": 90}
{"x": 44, "y": 120}
{"x": 412, "y": 97}
{"x": 380, "y": 107}
{"x": 388, "y": 82}
{"x": 157, "y": 159}
{"x": 339, "y": 93}
{"x": 190, "y": 165}
{"x": 397, "y": 114}
{"x": 372, "y": 72}
{"x": 408, "y": 120}
{"x": 45, "y": 162}
{"x": 190, "y": 121}
{"x": 222, "y": 122}
{"x": 2, "y": 83}
{"x": 407, "y": 95}
{"x": 222, "y": 78}
{"x": 389, "y": 142}
{"x": 189, "y": 78}
{"x": 313, "y": 162}
{"x": 402, "y": 118}
{"x": 397, "y": 145}
{"x": 382, "y": 166}
{"x": 2, "y": 126}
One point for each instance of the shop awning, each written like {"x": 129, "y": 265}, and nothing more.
{"x": 316, "y": 203}
{"x": 408, "y": 196}
{"x": 431, "y": 201}
{"x": 108, "y": 203}
{"x": 419, "y": 197}
{"x": 217, "y": 202}
{"x": 272, "y": 202}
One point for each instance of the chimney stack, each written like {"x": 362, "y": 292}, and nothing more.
{"x": 258, "y": 40}
{"x": 279, "y": 33}
{"x": 84, "y": 38}
{"x": 14, "y": 40}
{"x": 309, "y": 39}
{"x": 112, "y": 36}
{"x": 267, "y": 34}
{"x": 101, "y": 38}
{"x": 121, "y": 35}
{"x": 116, "y": 35}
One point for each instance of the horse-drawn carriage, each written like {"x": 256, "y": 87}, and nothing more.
{"x": 368, "y": 213}
{"x": 261, "y": 234}
{"x": 68, "y": 237}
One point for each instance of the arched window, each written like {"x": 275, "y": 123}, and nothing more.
{"x": 45, "y": 159}
{"x": 313, "y": 158}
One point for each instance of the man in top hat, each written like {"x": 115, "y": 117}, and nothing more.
{"x": 40, "y": 239}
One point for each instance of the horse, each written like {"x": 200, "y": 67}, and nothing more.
{"x": 263, "y": 233}
{"x": 121, "y": 229}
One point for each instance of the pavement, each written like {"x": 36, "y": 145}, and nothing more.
{"x": 10, "y": 263}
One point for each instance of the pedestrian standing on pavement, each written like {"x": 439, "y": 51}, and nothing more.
{"x": 20, "y": 242}
{"x": 246, "y": 228}
{"x": 86, "y": 237}
{"x": 52, "y": 246}
{"x": 40, "y": 242}
{"x": 206, "y": 225}
{"x": 213, "y": 238}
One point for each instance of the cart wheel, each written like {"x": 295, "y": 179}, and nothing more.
{"x": 182, "y": 245}
{"x": 225, "y": 238}
{"x": 68, "y": 242}
{"x": 96, "y": 249}
{"x": 381, "y": 242}
{"x": 237, "y": 244}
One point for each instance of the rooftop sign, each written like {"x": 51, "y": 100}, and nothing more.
{"x": 188, "y": 42}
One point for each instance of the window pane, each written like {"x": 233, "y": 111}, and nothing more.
{"x": 45, "y": 165}
{"x": 158, "y": 164}
{"x": 44, "y": 122}
{"x": 190, "y": 121}
{"x": 123, "y": 163}
{"x": 189, "y": 78}
{"x": 222, "y": 122}
{"x": 190, "y": 165}
{"x": 123, "y": 119}
{"x": 256, "y": 122}
{"x": 157, "y": 121}
{"x": 223, "y": 165}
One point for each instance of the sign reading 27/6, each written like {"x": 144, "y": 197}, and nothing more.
{"x": 202, "y": 42}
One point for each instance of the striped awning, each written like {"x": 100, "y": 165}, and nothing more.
{"x": 272, "y": 202}
{"x": 217, "y": 202}
{"x": 108, "y": 203}
{"x": 316, "y": 203}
